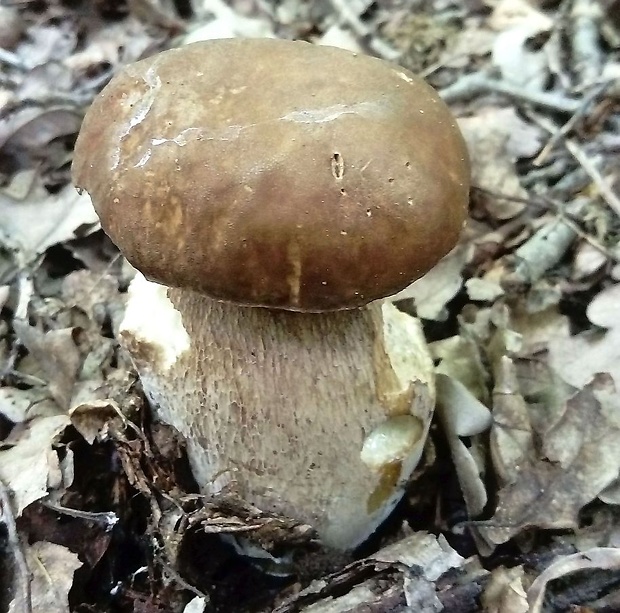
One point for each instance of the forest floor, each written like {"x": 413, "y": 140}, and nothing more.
{"x": 515, "y": 505}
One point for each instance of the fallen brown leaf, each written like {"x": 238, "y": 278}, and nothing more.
{"x": 27, "y": 460}
{"x": 504, "y": 593}
{"x": 57, "y": 355}
{"x": 554, "y": 458}
{"x": 51, "y": 568}
{"x": 578, "y": 358}
{"x": 496, "y": 137}
{"x": 33, "y": 225}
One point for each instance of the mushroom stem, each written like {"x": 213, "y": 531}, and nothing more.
{"x": 318, "y": 417}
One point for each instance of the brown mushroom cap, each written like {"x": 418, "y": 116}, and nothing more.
{"x": 275, "y": 173}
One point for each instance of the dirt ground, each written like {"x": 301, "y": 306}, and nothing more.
{"x": 514, "y": 505}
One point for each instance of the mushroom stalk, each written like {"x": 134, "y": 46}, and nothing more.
{"x": 318, "y": 417}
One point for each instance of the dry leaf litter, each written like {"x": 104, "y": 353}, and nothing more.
{"x": 515, "y": 507}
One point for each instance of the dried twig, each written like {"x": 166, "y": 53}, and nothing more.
{"x": 607, "y": 194}
{"x": 545, "y": 248}
{"x": 570, "y": 124}
{"x": 176, "y": 577}
{"x": 548, "y": 173}
{"x": 586, "y": 17}
{"x": 107, "y": 519}
{"x": 350, "y": 17}
{"x": 478, "y": 84}
{"x": 590, "y": 239}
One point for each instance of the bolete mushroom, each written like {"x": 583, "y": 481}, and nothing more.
{"x": 308, "y": 181}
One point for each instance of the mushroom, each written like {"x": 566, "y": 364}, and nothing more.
{"x": 273, "y": 192}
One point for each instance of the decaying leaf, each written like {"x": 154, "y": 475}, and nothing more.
{"x": 555, "y": 449}
{"x": 437, "y": 287}
{"x": 195, "y": 605}
{"x": 460, "y": 358}
{"x": 433, "y": 555}
{"x": 598, "y": 558}
{"x": 512, "y": 13}
{"x": 504, "y": 593}
{"x": 218, "y": 20}
{"x": 20, "y": 405}
{"x": 51, "y": 567}
{"x": 588, "y": 261}
{"x": 33, "y": 225}
{"x": 540, "y": 327}
{"x": 521, "y": 62}
{"x": 496, "y": 137}
{"x": 578, "y": 358}
{"x": 419, "y": 560}
{"x": 28, "y": 461}
{"x": 484, "y": 290}
{"x": 57, "y": 355}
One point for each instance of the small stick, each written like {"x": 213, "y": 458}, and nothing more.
{"x": 474, "y": 85}
{"x": 107, "y": 519}
{"x": 570, "y": 124}
{"x": 607, "y": 194}
{"x": 545, "y": 248}
{"x": 11, "y": 59}
{"x": 348, "y": 16}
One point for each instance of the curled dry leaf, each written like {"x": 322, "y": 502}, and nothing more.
{"x": 462, "y": 415}
{"x": 27, "y": 133}
{"x": 95, "y": 419}
{"x": 461, "y": 385}
{"x": 606, "y": 558}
